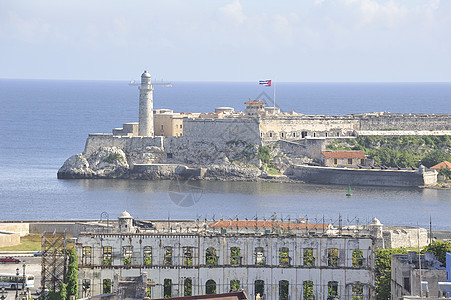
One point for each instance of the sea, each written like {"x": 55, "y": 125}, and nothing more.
{"x": 44, "y": 122}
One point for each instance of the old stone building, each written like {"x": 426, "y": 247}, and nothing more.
{"x": 344, "y": 159}
{"x": 270, "y": 260}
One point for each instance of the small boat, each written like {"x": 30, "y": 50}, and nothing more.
{"x": 349, "y": 193}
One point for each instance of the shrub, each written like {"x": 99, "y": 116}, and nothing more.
{"x": 112, "y": 157}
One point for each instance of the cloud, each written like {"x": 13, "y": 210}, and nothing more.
{"x": 234, "y": 12}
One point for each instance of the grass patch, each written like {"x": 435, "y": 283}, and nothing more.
{"x": 272, "y": 171}
{"x": 31, "y": 242}
{"x": 113, "y": 157}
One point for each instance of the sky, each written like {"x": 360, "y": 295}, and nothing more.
{"x": 227, "y": 40}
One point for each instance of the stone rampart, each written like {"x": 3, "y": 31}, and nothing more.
{"x": 326, "y": 175}
{"x": 221, "y": 131}
{"x": 391, "y": 121}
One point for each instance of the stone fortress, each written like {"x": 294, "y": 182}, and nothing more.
{"x": 225, "y": 144}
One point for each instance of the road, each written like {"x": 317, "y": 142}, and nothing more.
{"x": 32, "y": 266}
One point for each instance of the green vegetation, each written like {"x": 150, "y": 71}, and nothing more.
{"x": 112, "y": 158}
{"x": 264, "y": 154}
{"x": 399, "y": 151}
{"x": 72, "y": 275}
{"x": 31, "y": 242}
{"x": 383, "y": 271}
{"x": 445, "y": 172}
{"x": 435, "y": 157}
{"x": 439, "y": 248}
{"x": 272, "y": 171}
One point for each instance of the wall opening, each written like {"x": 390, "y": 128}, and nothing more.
{"x": 260, "y": 256}
{"x": 235, "y": 285}
{"x": 167, "y": 256}
{"x": 187, "y": 256}
{"x": 167, "y": 288}
{"x": 309, "y": 259}
{"x": 210, "y": 257}
{"x": 147, "y": 255}
{"x": 235, "y": 258}
{"x": 107, "y": 286}
{"x": 188, "y": 287}
{"x": 308, "y": 290}
{"x": 284, "y": 256}
{"x": 283, "y": 290}
{"x": 86, "y": 255}
{"x": 332, "y": 257}
{"x": 357, "y": 258}
{"x": 259, "y": 288}
{"x": 107, "y": 255}
{"x": 332, "y": 290}
{"x": 210, "y": 287}
{"x": 127, "y": 254}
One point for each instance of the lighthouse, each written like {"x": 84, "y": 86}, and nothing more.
{"x": 145, "y": 127}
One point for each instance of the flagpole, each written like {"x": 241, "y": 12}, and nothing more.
{"x": 274, "y": 94}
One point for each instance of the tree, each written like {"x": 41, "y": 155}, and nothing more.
{"x": 63, "y": 291}
{"x": 383, "y": 272}
{"x": 72, "y": 274}
{"x": 439, "y": 248}
{"x": 435, "y": 157}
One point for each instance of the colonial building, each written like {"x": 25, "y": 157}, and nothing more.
{"x": 267, "y": 259}
{"x": 344, "y": 159}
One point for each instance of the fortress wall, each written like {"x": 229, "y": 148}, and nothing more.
{"x": 324, "y": 175}
{"x": 314, "y": 126}
{"x": 306, "y": 147}
{"x": 95, "y": 141}
{"x": 406, "y": 122}
{"x": 221, "y": 131}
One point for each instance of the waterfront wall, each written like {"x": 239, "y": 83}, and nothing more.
{"x": 325, "y": 175}
{"x": 389, "y": 121}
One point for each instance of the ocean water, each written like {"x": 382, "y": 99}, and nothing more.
{"x": 43, "y": 122}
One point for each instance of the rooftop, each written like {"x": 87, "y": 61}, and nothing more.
{"x": 444, "y": 164}
{"x": 343, "y": 154}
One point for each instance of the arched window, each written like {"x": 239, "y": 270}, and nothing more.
{"x": 284, "y": 290}
{"x": 167, "y": 288}
{"x": 357, "y": 291}
{"x": 188, "y": 287}
{"x": 210, "y": 257}
{"x": 259, "y": 287}
{"x": 107, "y": 286}
{"x": 234, "y": 285}
{"x": 210, "y": 287}
{"x": 308, "y": 290}
{"x": 332, "y": 289}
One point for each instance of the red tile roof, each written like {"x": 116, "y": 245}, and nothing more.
{"x": 266, "y": 224}
{"x": 343, "y": 154}
{"x": 444, "y": 164}
{"x": 254, "y": 102}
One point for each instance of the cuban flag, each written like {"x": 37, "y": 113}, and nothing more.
{"x": 265, "y": 82}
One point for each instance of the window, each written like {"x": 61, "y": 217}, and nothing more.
{"x": 86, "y": 255}
{"x": 162, "y": 127}
{"x": 210, "y": 287}
{"x": 303, "y": 134}
{"x": 235, "y": 258}
{"x": 107, "y": 255}
{"x": 188, "y": 287}
{"x": 86, "y": 288}
{"x": 308, "y": 290}
{"x": 127, "y": 252}
{"x": 332, "y": 257}
{"x": 235, "y": 285}
{"x": 338, "y": 134}
{"x": 167, "y": 288}
{"x": 270, "y": 134}
{"x": 259, "y": 256}
{"x": 349, "y": 161}
{"x": 407, "y": 283}
{"x": 309, "y": 260}
{"x": 294, "y": 134}
{"x": 362, "y": 161}
{"x": 357, "y": 258}
{"x": 335, "y": 161}
{"x": 167, "y": 261}
{"x": 332, "y": 289}
{"x": 149, "y": 289}
{"x": 187, "y": 256}
{"x": 210, "y": 257}
{"x": 357, "y": 291}
{"x": 314, "y": 134}
{"x": 281, "y": 134}
{"x": 327, "y": 134}
{"x": 284, "y": 258}
{"x": 181, "y": 126}
{"x": 147, "y": 256}
{"x": 259, "y": 287}
{"x": 283, "y": 290}
{"x": 107, "y": 286}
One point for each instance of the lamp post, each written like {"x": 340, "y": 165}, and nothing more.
{"x": 23, "y": 282}
{"x": 17, "y": 282}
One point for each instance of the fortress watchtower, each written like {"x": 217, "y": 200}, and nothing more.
{"x": 145, "y": 127}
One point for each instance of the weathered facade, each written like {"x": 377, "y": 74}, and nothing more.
{"x": 189, "y": 258}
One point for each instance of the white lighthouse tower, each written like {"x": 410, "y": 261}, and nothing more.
{"x": 145, "y": 127}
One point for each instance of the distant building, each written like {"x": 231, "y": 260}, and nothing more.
{"x": 167, "y": 123}
{"x": 267, "y": 259}
{"x": 345, "y": 159}
{"x": 415, "y": 275}
{"x": 444, "y": 164}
